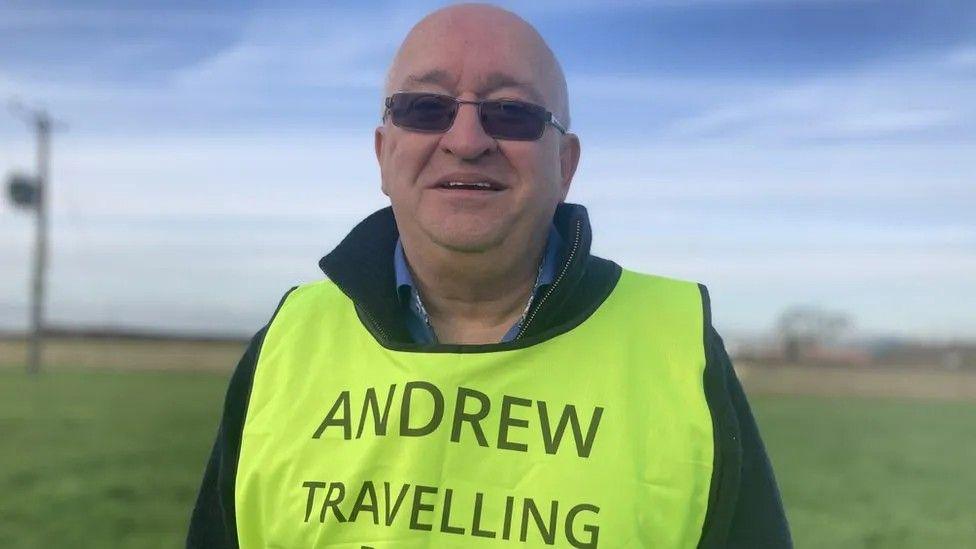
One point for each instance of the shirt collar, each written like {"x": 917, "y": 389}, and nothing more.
{"x": 400, "y": 270}
{"x": 547, "y": 275}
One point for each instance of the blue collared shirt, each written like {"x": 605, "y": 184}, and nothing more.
{"x": 407, "y": 291}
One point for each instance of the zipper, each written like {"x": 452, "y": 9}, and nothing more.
{"x": 569, "y": 261}
{"x": 369, "y": 317}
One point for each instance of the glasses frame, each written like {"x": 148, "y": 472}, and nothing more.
{"x": 548, "y": 117}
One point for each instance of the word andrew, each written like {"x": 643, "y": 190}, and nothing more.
{"x": 471, "y": 409}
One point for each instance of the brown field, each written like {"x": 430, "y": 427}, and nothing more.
{"x": 128, "y": 354}
{"x": 131, "y": 353}
{"x": 875, "y": 381}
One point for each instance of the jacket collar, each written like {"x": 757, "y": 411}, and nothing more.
{"x": 362, "y": 267}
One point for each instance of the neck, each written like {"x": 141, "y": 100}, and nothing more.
{"x": 474, "y": 298}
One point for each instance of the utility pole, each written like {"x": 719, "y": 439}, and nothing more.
{"x": 31, "y": 193}
{"x": 42, "y": 125}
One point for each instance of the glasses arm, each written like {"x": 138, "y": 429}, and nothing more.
{"x": 555, "y": 122}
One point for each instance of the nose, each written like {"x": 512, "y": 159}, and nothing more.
{"x": 466, "y": 138}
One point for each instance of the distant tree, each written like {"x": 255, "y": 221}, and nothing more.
{"x": 801, "y": 328}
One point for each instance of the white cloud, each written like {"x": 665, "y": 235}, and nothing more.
{"x": 888, "y": 122}
{"x": 962, "y": 58}
{"x": 291, "y": 51}
{"x": 562, "y": 6}
{"x": 276, "y": 53}
{"x": 216, "y": 175}
{"x": 882, "y": 101}
{"x": 45, "y": 19}
{"x": 886, "y": 100}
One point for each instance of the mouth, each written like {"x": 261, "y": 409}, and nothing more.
{"x": 484, "y": 186}
{"x": 469, "y": 182}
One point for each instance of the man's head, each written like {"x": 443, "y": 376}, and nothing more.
{"x": 475, "y": 52}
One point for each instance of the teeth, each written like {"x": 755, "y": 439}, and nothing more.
{"x": 481, "y": 184}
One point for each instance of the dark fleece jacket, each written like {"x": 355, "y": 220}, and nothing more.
{"x": 744, "y": 511}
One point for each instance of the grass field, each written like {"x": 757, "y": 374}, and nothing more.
{"x": 103, "y": 459}
{"x": 113, "y": 459}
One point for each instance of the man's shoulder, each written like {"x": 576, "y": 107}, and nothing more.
{"x": 322, "y": 294}
{"x": 660, "y": 282}
{"x": 322, "y": 288}
{"x": 658, "y": 279}
{"x": 658, "y": 290}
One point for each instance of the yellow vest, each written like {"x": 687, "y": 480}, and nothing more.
{"x": 598, "y": 437}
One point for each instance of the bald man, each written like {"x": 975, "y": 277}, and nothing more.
{"x": 469, "y": 375}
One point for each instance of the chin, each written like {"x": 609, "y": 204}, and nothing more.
{"x": 470, "y": 237}
{"x": 471, "y": 245}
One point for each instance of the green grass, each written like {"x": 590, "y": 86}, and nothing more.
{"x": 113, "y": 459}
{"x": 106, "y": 459}
{"x": 871, "y": 473}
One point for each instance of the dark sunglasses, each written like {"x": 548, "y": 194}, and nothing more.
{"x": 500, "y": 118}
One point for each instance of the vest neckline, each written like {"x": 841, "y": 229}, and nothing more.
{"x": 361, "y": 266}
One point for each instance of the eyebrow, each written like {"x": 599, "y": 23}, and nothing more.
{"x": 492, "y": 82}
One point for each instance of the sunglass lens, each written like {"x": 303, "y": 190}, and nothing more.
{"x": 424, "y": 112}
{"x": 513, "y": 120}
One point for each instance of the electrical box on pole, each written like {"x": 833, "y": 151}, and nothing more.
{"x": 22, "y": 190}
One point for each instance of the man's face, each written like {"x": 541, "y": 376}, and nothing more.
{"x": 470, "y": 62}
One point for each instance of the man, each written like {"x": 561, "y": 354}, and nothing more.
{"x": 469, "y": 375}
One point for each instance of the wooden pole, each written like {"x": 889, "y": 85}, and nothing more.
{"x": 42, "y": 125}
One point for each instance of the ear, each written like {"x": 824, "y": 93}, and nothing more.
{"x": 378, "y": 136}
{"x": 569, "y": 156}
{"x": 378, "y": 143}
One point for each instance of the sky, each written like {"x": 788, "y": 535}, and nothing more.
{"x": 784, "y": 153}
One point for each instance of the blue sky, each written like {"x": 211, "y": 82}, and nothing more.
{"x": 782, "y": 152}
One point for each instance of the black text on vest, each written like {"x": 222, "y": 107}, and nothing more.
{"x": 471, "y": 407}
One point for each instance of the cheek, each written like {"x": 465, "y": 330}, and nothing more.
{"x": 537, "y": 167}
{"x": 406, "y": 161}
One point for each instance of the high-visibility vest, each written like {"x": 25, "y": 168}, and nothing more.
{"x": 599, "y": 436}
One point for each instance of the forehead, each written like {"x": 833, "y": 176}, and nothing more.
{"x": 481, "y": 60}
{"x": 483, "y": 85}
